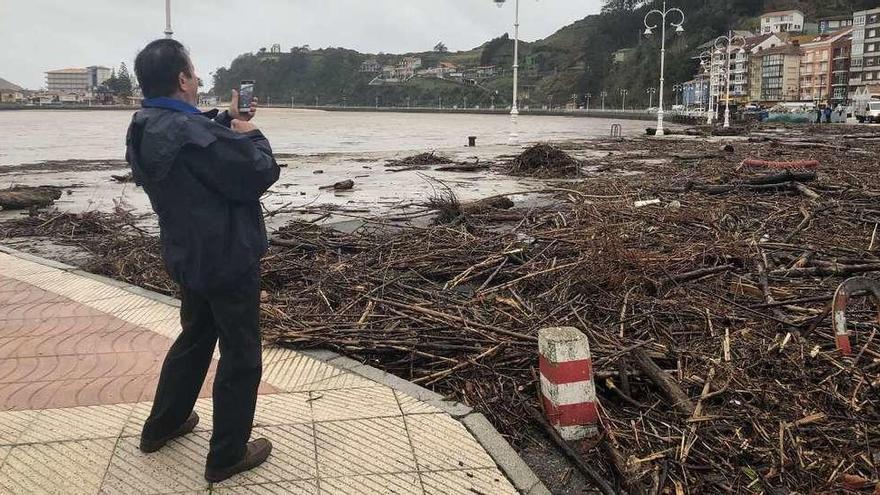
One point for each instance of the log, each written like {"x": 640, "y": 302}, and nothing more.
{"x": 23, "y": 197}
{"x": 774, "y": 182}
{"x": 340, "y": 186}
{"x": 786, "y": 176}
{"x": 463, "y": 167}
{"x": 752, "y": 162}
{"x": 827, "y": 270}
{"x": 680, "y": 401}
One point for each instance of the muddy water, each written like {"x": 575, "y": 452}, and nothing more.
{"x": 318, "y": 149}
{"x": 36, "y": 136}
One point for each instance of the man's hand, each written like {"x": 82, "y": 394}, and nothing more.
{"x": 236, "y": 114}
{"x": 242, "y": 126}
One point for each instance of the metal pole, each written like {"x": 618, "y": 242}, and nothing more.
{"x": 662, "y": 71}
{"x": 168, "y": 32}
{"x": 710, "y": 112}
{"x": 514, "y": 111}
{"x": 727, "y": 103}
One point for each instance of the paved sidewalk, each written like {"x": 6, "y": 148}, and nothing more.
{"x": 79, "y": 360}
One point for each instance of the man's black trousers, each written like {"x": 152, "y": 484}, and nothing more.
{"x": 233, "y": 317}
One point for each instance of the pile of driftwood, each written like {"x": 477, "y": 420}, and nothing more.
{"x": 544, "y": 160}
{"x": 705, "y": 295}
{"x": 419, "y": 161}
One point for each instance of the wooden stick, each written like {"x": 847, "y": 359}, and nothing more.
{"x": 680, "y": 400}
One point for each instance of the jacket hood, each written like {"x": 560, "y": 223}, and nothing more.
{"x": 156, "y": 136}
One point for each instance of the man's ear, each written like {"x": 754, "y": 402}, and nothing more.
{"x": 181, "y": 81}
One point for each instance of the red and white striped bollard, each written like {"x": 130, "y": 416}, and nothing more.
{"x": 567, "y": 387}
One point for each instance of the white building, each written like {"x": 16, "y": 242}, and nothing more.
{"x": 76, "y": 80}
{"x": 782, "y": 22}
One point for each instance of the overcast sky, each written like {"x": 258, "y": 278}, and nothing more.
{"x": 40, "y": 35}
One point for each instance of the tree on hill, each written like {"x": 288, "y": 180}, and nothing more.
{"x": 440, "y": 47}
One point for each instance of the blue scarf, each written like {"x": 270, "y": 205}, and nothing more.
{"x": 170, "y": 104}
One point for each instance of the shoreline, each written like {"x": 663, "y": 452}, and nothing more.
{"x": 592, "y": 113}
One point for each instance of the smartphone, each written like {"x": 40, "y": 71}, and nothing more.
{"x": 245, "y": 96}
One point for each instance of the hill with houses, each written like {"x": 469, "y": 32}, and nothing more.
{"x": 600, "y": 53}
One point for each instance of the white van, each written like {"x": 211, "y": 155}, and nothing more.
{"x": 867, "y": 111}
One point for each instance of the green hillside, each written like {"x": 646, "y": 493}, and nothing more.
{"x": 575, "y": 60}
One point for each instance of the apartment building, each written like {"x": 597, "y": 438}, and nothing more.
{"x": 833, "y": 24}
{"x": 824, "y": 65}
{"x": 865, "y": 55}
{"x": 782, "y": 22}
{"x": 780, "y": 73}
{"x": 79, "y": 81}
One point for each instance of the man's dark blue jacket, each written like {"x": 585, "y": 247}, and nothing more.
{"x": 204, "y": 182}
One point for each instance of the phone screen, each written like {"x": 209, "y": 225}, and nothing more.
{"x": 245, "y": 96}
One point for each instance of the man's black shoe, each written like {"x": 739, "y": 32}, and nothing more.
{"x": 150, "y": 446}
{"x": 257, "y": 452}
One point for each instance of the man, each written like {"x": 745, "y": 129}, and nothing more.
{"x": 204, "y": 174}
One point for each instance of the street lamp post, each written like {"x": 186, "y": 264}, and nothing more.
{"x": 650, "y": 92}
{"x": 514, "y": 110}
{"x": 603, "y": 95}
{"x": 648, "y": 31}
{"x": 707, "y": 61}
{"x": 623, "y": 93}
{"x": 168, "y": 32}
{"x": 727, "y": 44}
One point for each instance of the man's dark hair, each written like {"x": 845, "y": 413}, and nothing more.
{"x": 159, "y": 65}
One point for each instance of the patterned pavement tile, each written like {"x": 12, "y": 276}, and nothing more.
{"x": 149, "y": 314}
{"x": 283, "y": 409}
{"x": 42, "y": 310}
{"x": 120, "y": 303}
{"x": 76, "y": 423}
{"x": 70, "y": 393}
{"x": 13, "y": 424}
{"x": 374, "y": 484}
{"x": 411, "y": 405}
{"x": 179, "y": 467}
{"x": 60, "y": 326}
{"x": 28, "y": 294}
{"x": 73, "y": 366}
{"x": 296, "y": 372}
{"x": 359, "y": 403}
{"x": 348, "y": 448}
{"x": 467, "y": 482}
{"x": 64, "y": 468}
{"x": 301, "y": 487}
{"x": 442, "y": 443}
